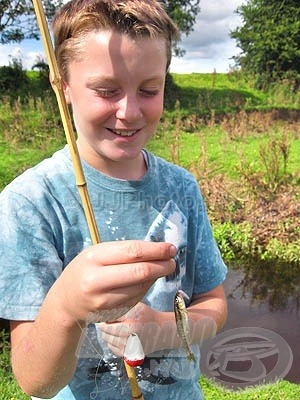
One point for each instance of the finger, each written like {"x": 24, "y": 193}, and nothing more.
{"x": 133, "y": 313}
{"x": 117, "y": 315}
{"x": 116, "y": 342}
{"x": 108, "y": 316}
{"x": 127, "y": 275}
{"x": 130, "y": 251}
{"x": 123, "y": 330}
{"x": 119, "y": 352}
{"x": 116, "y": 329}
{"x": 115, "y": 304}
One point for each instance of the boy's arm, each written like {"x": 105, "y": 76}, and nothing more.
{"x": 108, "y": 276}
{"x": 43, "y": 355}
{"x": 158, "y": 331}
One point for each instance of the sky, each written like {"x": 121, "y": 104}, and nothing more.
{"x": 208, "y": 48}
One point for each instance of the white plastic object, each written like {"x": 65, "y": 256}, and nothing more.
{"x": 134, "y": 353}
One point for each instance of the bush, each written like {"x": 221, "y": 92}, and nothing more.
{"x": 13, "y": 78}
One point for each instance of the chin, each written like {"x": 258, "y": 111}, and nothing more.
{"x": 127, "y": 155}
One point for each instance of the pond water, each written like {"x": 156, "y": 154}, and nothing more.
{"x": 261, "y": 336}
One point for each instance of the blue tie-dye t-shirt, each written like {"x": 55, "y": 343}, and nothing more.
{"x": 43, "y": 228}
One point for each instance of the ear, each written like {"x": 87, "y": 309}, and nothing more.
{"x": 66, "y": 90}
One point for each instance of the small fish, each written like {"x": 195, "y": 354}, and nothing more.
{"x": 181, "y": 316}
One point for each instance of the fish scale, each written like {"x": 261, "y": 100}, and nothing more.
{"x": 182, "y": 323}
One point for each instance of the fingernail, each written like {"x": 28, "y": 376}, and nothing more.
{"x": 173, "y": 262}
{"x": 173, "y": 251}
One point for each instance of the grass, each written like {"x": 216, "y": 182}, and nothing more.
{"x": 215, "y": 92}
{"x": 17, "y": 159}
{"x": 226, "y": 93}
{"x": 208, "y": 127}
{"x": 280, "y": 390}
{"x": 29, "y": 132}
{"x": 223, "y": 152}
{"x": 9, "y": 390}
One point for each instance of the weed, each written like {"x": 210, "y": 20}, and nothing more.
{"x": 34, "y": 123}
{"x": 176, "y": 135}
{"x": 9, "y": 389}
{"x": 228, "y": 152}
{"x": 235, "y": 241}
{"x": 283, "y": 93}
{"x": 264, "y": 175}
{"x": 274, "y": 158}
{"x": 285, "y": 252}
{"x": 280, "y": 390}
{"x": 4, "y": 351}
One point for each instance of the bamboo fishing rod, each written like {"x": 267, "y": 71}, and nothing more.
{"x": 57, "y": 85}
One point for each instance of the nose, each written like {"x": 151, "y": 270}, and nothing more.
{"x": 129, "y": 109}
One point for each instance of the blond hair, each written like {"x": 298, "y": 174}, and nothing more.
{"x": 135, "y": 18}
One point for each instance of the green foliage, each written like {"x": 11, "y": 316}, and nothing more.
{"x": 270, "y": 40}
{"x": 284, "y": 252}
{"x": 183, "y": 13}
{"x": 13, "y": 78}
{"x": 235, "y": 240}
{"x": 219, "y": 94}
{"x": 260, "y": 151}
{"x": 30, "y": 130}
{"x": 16, "y": 82}
{"x": 202, "y": 93}
{"x": 17, "y": 19}
{"x": 271, "y": 167}
{"x": 4, "y": 353}
{"x": 42, "y": 81}
{"x": 9, "y": 389}
{"x": 281, "y": 390}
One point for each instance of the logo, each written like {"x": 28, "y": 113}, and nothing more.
{"x": 246, "y": 356}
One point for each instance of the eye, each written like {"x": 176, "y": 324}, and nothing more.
{"x": 106, "y": 93}
{"x": 149, "y": 92}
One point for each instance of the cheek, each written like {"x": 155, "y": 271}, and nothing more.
{"x": 155, "y": 109}
{"x": 95, "y": 111}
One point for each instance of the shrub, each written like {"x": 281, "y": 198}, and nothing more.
{"x": 13, "y": 78}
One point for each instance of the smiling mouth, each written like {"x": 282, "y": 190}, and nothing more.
{"x": 123, "y": 133}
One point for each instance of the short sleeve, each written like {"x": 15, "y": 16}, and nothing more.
{"x": 29, "y": 262}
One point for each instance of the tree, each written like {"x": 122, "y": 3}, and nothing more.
{"x": 270, "y": 40}
{"x": 13, "y": 78}
{"x": 184, "y": 13}
{"x": 18, "y": 22}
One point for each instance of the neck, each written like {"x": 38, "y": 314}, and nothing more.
{"x": 127, "y": 170}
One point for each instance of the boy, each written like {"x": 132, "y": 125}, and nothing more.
{"x": 68, "y": 301}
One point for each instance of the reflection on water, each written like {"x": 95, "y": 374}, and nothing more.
{"x": 267, "y": 296}
{"x": 278, "y": 284}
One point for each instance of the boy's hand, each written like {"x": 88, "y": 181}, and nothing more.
{"x": 107, "y": 279}
{"x": 142, "y": 320}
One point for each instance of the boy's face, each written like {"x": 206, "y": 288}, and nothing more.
{"x": 116, "y": 91}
